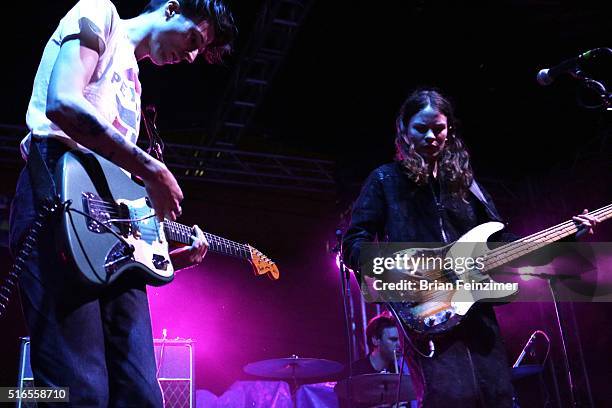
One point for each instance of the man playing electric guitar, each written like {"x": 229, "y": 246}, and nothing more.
{"x": 87, "y": 94}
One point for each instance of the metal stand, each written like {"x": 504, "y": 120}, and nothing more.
{"x": 347, "y": 303}
{"x": 597, "y": 87}
{"x": 294, "y": 382}
{"x": 551, "y": 280}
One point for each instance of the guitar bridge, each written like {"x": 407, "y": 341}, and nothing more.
{"x": 97, "y": 214}
{"x": 411, "y": 317}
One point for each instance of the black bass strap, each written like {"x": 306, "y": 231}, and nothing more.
{"x": 475, "y": 189}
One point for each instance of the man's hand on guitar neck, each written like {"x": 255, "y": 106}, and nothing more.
{"x": 585, "y": 223}
{"x": 190, "y": 255}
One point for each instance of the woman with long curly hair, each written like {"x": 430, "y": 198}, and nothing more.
{"x": 423, "y": 149}
{"x": 429, "y": 194}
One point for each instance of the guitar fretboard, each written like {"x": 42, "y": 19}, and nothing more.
{"x": 509, "y": 252}
{"x": 182, "y": 233}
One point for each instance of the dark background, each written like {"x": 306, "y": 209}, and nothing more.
{"x": 335, "y": 97}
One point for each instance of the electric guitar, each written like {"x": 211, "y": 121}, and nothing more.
{"x": 437, "y": 311}
{"x": 109, "y": 227}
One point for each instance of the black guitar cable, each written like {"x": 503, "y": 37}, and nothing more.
{"x": 129, "y": 248}
{"x": 156, "y": 144}
{"x": 49, "y": 210}
{"x": 432, "y": 347}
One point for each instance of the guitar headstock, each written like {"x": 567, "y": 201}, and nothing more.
{"x": 262, "y": 265}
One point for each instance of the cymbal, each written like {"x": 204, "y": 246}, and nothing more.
{"x": 526, "y": 370}
{"x": 376, "y": 388}
{"x": 293, "y": 367}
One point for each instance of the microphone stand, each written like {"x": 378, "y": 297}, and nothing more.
{"x": 552, "y": 279}
{"x": 515, "y": 402}
{"x": 347, "y": 303}
{"x": 598, "y": 87}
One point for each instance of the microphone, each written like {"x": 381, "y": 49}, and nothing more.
{"x": 570, "y": 66}
{"x": 338, "y": 245}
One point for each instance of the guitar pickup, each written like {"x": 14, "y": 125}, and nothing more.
{"x": 97, "y": 214}
{"x": 124, "y": 227}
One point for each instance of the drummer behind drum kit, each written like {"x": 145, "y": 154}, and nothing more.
{"x": 366, "y": 389}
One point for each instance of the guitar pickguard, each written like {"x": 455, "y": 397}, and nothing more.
{"x": 418, "y": 319}
{"x": 147, "y": 236}
{"x": 119, "y": 255}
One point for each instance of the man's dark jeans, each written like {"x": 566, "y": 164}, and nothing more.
{"x": 100, "y": 345}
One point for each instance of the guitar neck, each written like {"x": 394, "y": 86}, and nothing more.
{"x": 514, "y": 250}
{"x": 182, "y": 234}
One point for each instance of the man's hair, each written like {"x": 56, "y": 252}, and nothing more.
{"x": 454, "y": 161}
{"x": 217, "y": 14}
{"x": 377, "y": 325}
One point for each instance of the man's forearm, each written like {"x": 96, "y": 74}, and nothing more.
{"x": 80, "y": 121}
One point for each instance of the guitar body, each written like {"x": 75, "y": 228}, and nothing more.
{"x": 89, "y": 182}
{"x": 450, "y": 306}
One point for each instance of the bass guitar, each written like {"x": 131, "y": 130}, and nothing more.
{"x": 437, "y": 311}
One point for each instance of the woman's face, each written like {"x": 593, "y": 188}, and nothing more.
{"x": 427, "y": 130}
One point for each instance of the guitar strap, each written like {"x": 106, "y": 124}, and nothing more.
{"x": 41, "y": 178}
{"x": 47, "y": 207}
{"x": 475, "y": 189}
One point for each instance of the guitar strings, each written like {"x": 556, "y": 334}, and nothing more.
{"x": 173, "y": 228}
{"x": 210, "y": 237}
{"x": 607, "y": 210}
{"x": 518, "y": 247}
{"x": 531, "y": 242}
{"x": 528, "y": 243}
{"x": 524, "y": 245}
{"x": 128, "y": 219}
{"x": 114, "y": 211}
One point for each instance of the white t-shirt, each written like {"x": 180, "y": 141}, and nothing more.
{"x": 114, "y": 88}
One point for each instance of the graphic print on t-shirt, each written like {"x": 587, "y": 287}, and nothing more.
{"x": 127, "y": 98}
